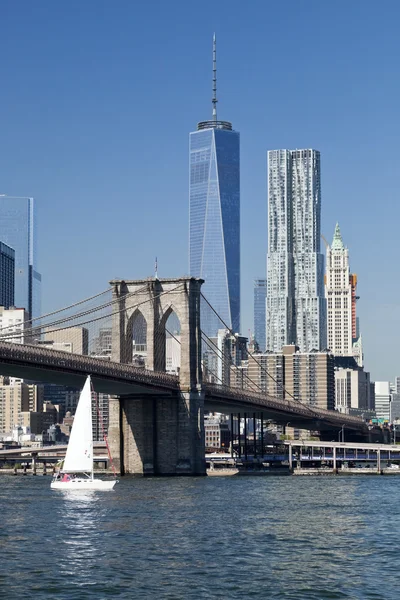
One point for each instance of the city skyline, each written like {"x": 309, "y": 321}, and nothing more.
{"x": 80, "y": 153}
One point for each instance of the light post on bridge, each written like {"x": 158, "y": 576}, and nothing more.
{"x": 342, "y": 434}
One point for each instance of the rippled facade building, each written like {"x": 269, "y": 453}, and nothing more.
{"x": 296, "y": 305}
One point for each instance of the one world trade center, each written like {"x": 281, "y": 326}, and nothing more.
{"x": 214, "y": 215}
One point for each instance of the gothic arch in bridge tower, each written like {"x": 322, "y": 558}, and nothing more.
{"x": 171, "y": 324}
{"x": 136, "y": 336}
{"x": 156, "y": 299}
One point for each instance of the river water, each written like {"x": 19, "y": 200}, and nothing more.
{"x": 298, "y": 538}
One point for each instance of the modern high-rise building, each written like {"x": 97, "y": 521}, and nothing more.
{"x": 214, "y": 217}
{"x": 352, "y": 391}
{"x": 18, "y": 230}
{"x": 7, "y": 276}
{"x": 260, "y": 297}
{"x": 382, "y": 400}
{"x": 296, "y": 307}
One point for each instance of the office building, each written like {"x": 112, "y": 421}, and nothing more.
{"x": 18, "y": 230}
{"x": 101, "y": 345}
{"x": 7, "y": 276}
{"x": 17, "y": 397}
{"x": 230, "y": 350}
{"x": 394, "y": 407}
{"x": 14, "y": 325}
{"x": 100, "y": 416}
{"x": 39, "y": 421}
{"x": 343, "y": 334}
{"x": 307, "y": 377}
{"x": 71, "y": 339}
{"x": 352, "y": 391}
{"x": 382, "y": 400}
{"x": 173, "y": 354}
{"x": 217, "y": 433}
{"x": 338, "y": 291}
{"x": 296, "y": 306}
{"x": 214, "y": 217}
{"x": 260, "y": 298}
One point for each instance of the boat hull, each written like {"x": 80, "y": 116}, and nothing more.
{"x": 83, "y": 484}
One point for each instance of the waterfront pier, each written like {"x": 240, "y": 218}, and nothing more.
{"x": 317, "y": 457}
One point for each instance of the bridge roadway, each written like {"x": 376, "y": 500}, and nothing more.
{"x": 55, "y": 366}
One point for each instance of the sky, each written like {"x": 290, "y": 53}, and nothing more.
{"x": 97, "y": 100}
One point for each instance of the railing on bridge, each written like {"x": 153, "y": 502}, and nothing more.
{"x": 58, "y": 360}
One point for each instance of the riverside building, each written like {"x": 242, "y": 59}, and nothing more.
{"x": 308, "y": 377}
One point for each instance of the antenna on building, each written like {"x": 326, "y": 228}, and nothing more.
{"x": 156, "y": 269}
{"x": 214, "y": 99}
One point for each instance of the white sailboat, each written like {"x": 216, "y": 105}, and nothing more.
{"x": 77, "y": 471}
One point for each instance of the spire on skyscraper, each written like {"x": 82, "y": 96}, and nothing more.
{"x": 337, "y": 243}
{"x": 214, "y": 99}
{"x": 213, "y": 123}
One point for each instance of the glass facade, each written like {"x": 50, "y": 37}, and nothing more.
{"x": 214, "y": 229}
{"x": 260, "y": 298}
{"x": 17, "y": 230}
{"x": 7, "y": 275}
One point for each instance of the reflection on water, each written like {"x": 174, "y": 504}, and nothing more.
{"x": 201, "y": 538}
{"x": 80, "y": 521}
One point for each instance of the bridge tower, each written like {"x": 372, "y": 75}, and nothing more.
{"x": 155, "y": 433}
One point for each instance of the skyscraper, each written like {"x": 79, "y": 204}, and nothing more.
{"x": 18, "y": 230}
{"x": 260, "y": 296}
{"x": 7, "y": 275}
{"x": 338, "y": 290}
{"x": 296, "y": 307}
{"x": 214, "y": 216}
{"x": 343, "y": 334}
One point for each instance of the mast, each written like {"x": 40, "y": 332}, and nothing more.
{"x": 214, "y": 98}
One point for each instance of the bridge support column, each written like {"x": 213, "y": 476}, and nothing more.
{"x": 115, "y": 433}
{"x": 162, "y": 435}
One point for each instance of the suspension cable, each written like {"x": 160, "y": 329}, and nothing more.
{"x": 232, "y": 363}
{"x": 36, "y": 329}
{"x": 102, "y": 317}
{"x": 255, "y": 360}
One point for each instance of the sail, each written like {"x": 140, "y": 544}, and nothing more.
{"x": 79, "y": 455}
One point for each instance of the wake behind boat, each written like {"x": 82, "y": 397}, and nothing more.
{"x": 77, "y": 471}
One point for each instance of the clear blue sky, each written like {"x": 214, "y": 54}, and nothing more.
{"x": 97, "y": 100}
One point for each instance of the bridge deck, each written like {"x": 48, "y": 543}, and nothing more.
{"x": 43, "y": 364}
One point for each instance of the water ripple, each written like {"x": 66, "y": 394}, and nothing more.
{"x": 202, "y": 538}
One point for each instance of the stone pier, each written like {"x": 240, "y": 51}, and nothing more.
{"x": 151, "y": 433}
